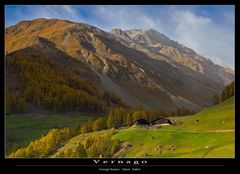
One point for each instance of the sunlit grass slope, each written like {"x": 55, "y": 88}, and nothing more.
{"x": 212, "y": 136}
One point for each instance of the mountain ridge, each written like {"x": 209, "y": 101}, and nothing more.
{"x": 167, "y": 74}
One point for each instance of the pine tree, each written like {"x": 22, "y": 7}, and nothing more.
{"x": 224, "y": 95}
{"x": 216, "y": 99}
{"x": 231, "y": 90}
{"x": 119, "y": 115}
{"x": 137, "y": 114}
{"x": 129, "y": 120}
{"x": 83, "y": 129}
{"x": 97, "y": 125}
{"x": 110, "y": 120}
{"x": 227, "y": 92}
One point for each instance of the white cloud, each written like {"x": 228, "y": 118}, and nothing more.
{"x": 204, "y": 36}
{"x": 124, "y": 17}
{"x": 197, "y": 32}
{"x": 48, "y": 11}
{"x": 56, "y": 11}
{"x": 220, "y": 61}
{"x": 216, "y": 60}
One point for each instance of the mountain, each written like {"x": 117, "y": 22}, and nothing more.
{"x": 144, "y": 67}
{"x": 44, "y": 76}
{"x": 162, "y": 47}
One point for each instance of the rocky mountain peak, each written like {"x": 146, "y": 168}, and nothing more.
{"x": 129, "y": 62}
{"x": 118, "y": 31}
{"x": 149, "y": 36}
{"x": 121, "y": 34}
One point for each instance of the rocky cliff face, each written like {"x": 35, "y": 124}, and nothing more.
{"x": 144, "y": 67}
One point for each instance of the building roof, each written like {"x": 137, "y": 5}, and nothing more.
{"x": 142, "y": 121}
{"x": 162, "y": 117}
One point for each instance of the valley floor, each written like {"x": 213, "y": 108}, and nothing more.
{"x": 21, "y": 129}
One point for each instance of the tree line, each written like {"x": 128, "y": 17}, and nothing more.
{"x": 120, "y": 117}
{"x": 55, "y": 138}
{"x": 224, "y": 95}
{"x": 48, "y": 86}
{"x": 94, "y": 146}
{"x": 45, "y": 145}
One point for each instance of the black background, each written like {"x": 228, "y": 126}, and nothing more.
{"x": 186, "y": 165}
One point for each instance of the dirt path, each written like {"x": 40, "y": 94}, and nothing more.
{"x": 190, "y": 131}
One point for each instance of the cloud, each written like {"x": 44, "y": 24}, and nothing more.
{"x": 216, "y": 60}
{"x": 204, "y": 36}
{"x": 30, "y": 12}
{"x": 209, "y": 34}
{"x": 124, "y": 17}
{"x": 199, "y": 32}
{"x": 56, "y": 11}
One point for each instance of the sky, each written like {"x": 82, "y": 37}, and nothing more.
{"x": 207, "y": 29}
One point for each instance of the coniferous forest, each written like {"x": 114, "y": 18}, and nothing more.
{"x": 49, "y": 86}
{"x": 224, "y": 95}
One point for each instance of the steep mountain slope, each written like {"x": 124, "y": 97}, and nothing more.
{"x": 161, "y": 47}
{"x": 144, "y": 67}
{"x": 46, "y": 77}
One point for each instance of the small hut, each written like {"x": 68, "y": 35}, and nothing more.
{"x": 141, "y": 122}
{"x": 162, "y": 121}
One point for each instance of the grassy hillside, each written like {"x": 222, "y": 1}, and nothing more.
{"x": 211, "y": 137}
{"x": 218, "y": 117}
{"x": 23, "y": 128}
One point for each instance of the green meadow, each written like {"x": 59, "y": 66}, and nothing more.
{"x": 207, "y": 134}
{"x": 23, "y": 128}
